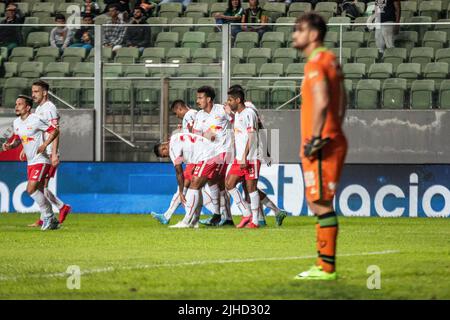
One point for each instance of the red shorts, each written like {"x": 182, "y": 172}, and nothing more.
{"x": 249, "y": 173}
{"x": 38, "y": 172}
{"x": 187, "y": 173}
{"x": 215, "y": 167}
{"x": 51, "y": 172}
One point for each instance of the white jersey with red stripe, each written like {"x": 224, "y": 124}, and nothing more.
{"x": 190, "y": 148}
{"x": 219, "y": 123}
{"x": 246, "y": 123}
{"x": 48, "y": 112}
{"x": 31, "y": 133}
{"x": 189, "y": 120}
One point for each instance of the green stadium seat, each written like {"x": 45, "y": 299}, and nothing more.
{"x": 69, "y": 91}
{"x": 212, "y": 71}
{"x": 155, "y": 55}
{"x": 84, "y": 69}
{"x": 272, "y": 40}
{"x": 443, "y": 55}
{"x": 64, "y": 6}
{"x": 331, "y": 39}
{"x": 21, "y": 54}
{"x": 193, "y": 39}
{"x": 244, "y": 70}
{"x": 196, "y": 10}
{"x": 408, "y": 8}
{"x": 237, "y": 56}
{"x": 444, "y": 95}
{"x": 118, "y": 96}
{"x": 182, "y": 55}
{"x": 361, "y": 6}
{"x": 257, "y": 91}
{"x": 394, "y": 93}
{"x": 422, "y": 92}
{"x": 38, "y": 39}
{"x": 147, "y": 100}
{"x": 407, "y": 39}
{"x": 31, "y": 69}
{"x": 295, "y": 70}
{"x": 437, "y": 71}
{"x": 206, "y": 29}
{"x": 4, "y": 53}
{"x": 274, "y": 10}
{"x": 367, "y": 94}
{"x": 443, "y": 27}
{"x": 127, "y": 55}
{"x": 178, "y": 89}
{"x": 190, "y": 71}
{"x": 346, "y": 54}
{"x": 422, "y": 55}
{"x": 24, "y": 8}
{"x": 259, "y": 56}
{"x": 27, "y": 29}
{"x": 344, "y": 21}
{"x": 367, "y": 56}
{"x": 360, "y": 20}
{"x": 348, "y": 85}
{"x": 2, "y": 9}
{"x": 435, "y": 39}
{"x": 87, "y": 94}
{"x": 112, "y": 70}
{"x": 287, "y": 30}
{"x": 43, "y": 9}
{"x": 408, "y": 71}
{"x": 395, "y": 56}
{"x": 11, "y": 69}
{"x": 380, "y": 71}
{"x": 352, "y": 39}
{"x": 204, "y": 55}
{"x": 157, "y": 25}
{"x": 57, "y": 69}
{"x": 214, "y": 40}
{"x": 73, "y": 56}
{"x": 13, "y": 87}
{"x": 296, "y": 9}
{"x": 165, "y": 71}
{"x": 285, "y": 56}
{"x": 282, "y": 92}
{"x": 354, "y": 71}
{"x": 46, "y": 20}
{"x": 326, "y": 7}
{"x": 246, "y": 41}
{"x": 136, "y": 71}
{"x": 431, "y": 9}
{"x": 182, "y": 29}
{"x": 47, "y": 55}
{"x": 421, "y": 28}
{"x": 167, "y": 39}
{"x": 170, "y": 10}
{"x": 271, "y": 70}
{"x": 218, "y": 7}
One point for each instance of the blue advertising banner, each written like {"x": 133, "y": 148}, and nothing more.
{"x": 365, "y": 190}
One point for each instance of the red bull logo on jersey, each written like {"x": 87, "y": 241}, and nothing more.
{"x": 26, "y": 139}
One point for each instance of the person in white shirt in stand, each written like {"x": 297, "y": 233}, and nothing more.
{"x": 30, "y": 130}
{"x": 47, "y": 111}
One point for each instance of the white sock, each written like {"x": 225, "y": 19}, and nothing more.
{"x": 207, "y": 200}
{"x": 174, "y": 204}
{"x": 269, "y": 204}
{"x": 192, "y": 202}
{"x": 53, "y": 199}
{"x": 240, "y": 202}
{"x": 260, "y": 213}
{"x": 44, "y": 205}
{"x": 254, "y": 205}
{"x": 223, "y": 205}
{"x": 214, "y": 192}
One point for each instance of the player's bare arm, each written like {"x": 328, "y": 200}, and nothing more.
{"x": 14, "y": 144}
{"x": 51, "y": 137}
{"x": 55, "y": 155}
{"x": 180, "y": 181}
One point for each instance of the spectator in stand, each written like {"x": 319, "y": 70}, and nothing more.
{"x": 60, "y": 36}
{"x": 148, "y": 6}
{"x": 254, "y": 14}
{"x": 90, "y": 7}
{"x": 114, "y": 35}
{"x": 386, "y": 11}
{"x": 184, "y": 2}
{"x": 84, "y": 37}
{"x": 10, "y": 37}
{"x": 138, "y": 36}
{"x": 233, "y": 14}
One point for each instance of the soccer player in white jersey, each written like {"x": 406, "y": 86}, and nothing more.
{"x": 30, "y": 131}
{"x": 214, "y": 123}
{"x": 47, "y": 111}
{"x": 188, "y": 148}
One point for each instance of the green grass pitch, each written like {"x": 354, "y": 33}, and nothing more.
{"x": 133, "y": 257}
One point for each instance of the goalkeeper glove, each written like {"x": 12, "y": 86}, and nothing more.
{"x": 314, "y": 145}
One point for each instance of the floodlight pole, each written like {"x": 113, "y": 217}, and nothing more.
{"x": 164, "y": 111}
{"x": 225, "y": 61}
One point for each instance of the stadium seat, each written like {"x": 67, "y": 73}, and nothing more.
{"x": 354, "y": 71}
{"x": 87, "y": 94}
{"x": 259, "y": 56}
{"x": 112, "y": 70}
{"x": 206, "y": 29}
{"x": 395, "y": 56}
{"x": 13, "y": 87}
{"x": 408, "y": 71}
{"x": 246, "y": 41}
{"x": 47, "y": 55}
{"x": 394, "y": 93}
{"x": 346, "y": 54}
{"x": 4, "y": 53}
{"x": 106, "y": 55}
{"x": 244, "y": 70}
{"x": 73, "y": 56}
{"x": 283, "y": 91}
{"x": 218, "y": 7}
{"x": 435, "y": 39}
{"x": 421, "y": 55}
{"x": 38, "y": 39}
{"x": 11, "y": 69}
{"x": 271, "y": 70}
{"x": 118, "y": 96}
{"x": 443, "y": 27}
{"x": 178, "y": 89}
{"x": 272, "y": 40}
{"x": 153, "y": 55}
{"x": 185, "y": 25}
{"x": 431, "y": 9}
{"x": 147, "y": 100}
{"x": 237, "y": 56}
{"x": 296, "y": 9}
{"x": 444, "y": 95}
{"x": 46, "y": 20}
{"x": 352, "y": 39}
{"x": 257, "y": 91}
{"x": 380, "y": 71}
{"x": 407, "y": 40}
{"x": 326, "y": 9}
{"x": 367, "y": 94}
{"x": 167, "y": 39}
{"x": 196, "y": 10}
{"x": 437, "y": 71}
{"x": 83, "y": 69}
{"x": 189, "y": 71}
{"x": 29, "y": 22}
{"x": 367, "y": 56}
{"x": 295, "y": 70}
{"x": 349, "y": 92}
{"x": 421, "y": 28}
{"x": 182, "y": 55}
{"x": 443, "y": 55}
{"x": 362, "y": 24}
{"x": 31, "y": 69}
{"x": 204, "y": 55}
{"x": 344, "y": 21}
{"x": 212, "y": 71}
{"x": 193, "y": 39}
{"x": 69, "y": 91}
{"x": 170, "y": 10}
{"x": 331, "y": 39}
{"x": 21, "y": 54}
{"x": 62, "y": 7}
{"x": 57, "y": 69}
{"x": 214, "y": 40}
{"x": 287, "y": 30}
{"x": 422, "y": 94}
{"x": 408, "y": 8}
{"x": 41, "y": 9}
{"x": 127, "y": 55}
{"x": 136, "y": 71}
{"x": 157, "y": 25}
{"x": 274, "y": 10}
{"x": 285, "y": 56}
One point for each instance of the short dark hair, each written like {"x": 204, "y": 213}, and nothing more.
{"x": 41, "y": 83}
{"x": 156, "y": 150}
{"x": 27, "y": 99}
{"x": 88, "y": 15}
{"x": 140, "y": 9}
{"x": 236, "y": 86}
{"x": 114, "y": 6}
{"x": 60, "y": 16}
{"x": 176, "y": 103}
{"x": 237, "y": 93}
{"x": 314, "y": 21}
{"x": 208, "y": 91}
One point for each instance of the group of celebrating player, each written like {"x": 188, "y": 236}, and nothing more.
{"x": 38, "y": 133}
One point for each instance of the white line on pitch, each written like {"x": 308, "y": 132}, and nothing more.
{"x": 187, "y": 263}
